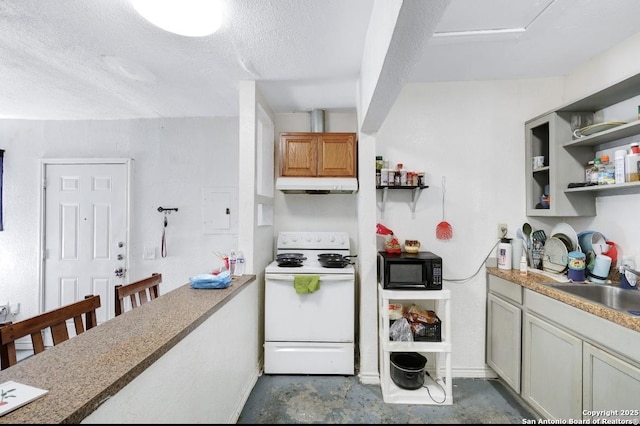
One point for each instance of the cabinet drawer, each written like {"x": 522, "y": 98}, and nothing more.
{"x": 506, "y": 289}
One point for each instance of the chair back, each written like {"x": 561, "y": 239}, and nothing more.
{"x": 138, "y": 292}
{"x": 54, "y": 320}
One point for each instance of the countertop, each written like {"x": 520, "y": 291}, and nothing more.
{"x": 535, "y": 282}
{"x": 87, "y": 369}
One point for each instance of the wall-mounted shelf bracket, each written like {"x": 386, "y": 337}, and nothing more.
{"x": 415, "y": 194}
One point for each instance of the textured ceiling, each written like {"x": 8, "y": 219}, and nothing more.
{"x": 97, "y": 59}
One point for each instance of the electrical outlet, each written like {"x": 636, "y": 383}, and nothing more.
{"x": 14, "y": 309}
{"x": 5, "y": 309}
{"x": 502, "y": 230}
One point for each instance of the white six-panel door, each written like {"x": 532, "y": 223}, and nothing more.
{"x": 86, "y": 216}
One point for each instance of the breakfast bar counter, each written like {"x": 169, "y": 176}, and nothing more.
{"x": 87, "y": 370}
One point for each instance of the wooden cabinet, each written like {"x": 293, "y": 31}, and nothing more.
{"x": 504, "y": 330}
{"x": 550, "y": 135}
{"x": 318, "y": 155}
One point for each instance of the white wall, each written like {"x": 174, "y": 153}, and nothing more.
{"x": 473, "y": 133}
{"x": 173, "y": 160}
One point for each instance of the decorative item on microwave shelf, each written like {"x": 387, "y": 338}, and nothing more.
{"x": 390, "y": 242}
{"x": 444, "y": 230}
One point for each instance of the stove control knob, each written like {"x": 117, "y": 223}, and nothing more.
{"x": 309, "y": 238}
{"x": 332, "y": 238}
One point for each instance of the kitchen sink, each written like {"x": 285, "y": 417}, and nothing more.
{"x": 623, "y": 300}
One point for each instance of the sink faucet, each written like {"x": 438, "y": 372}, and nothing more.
{"x": 624, "y": 268}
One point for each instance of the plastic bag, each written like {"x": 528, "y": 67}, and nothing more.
{"x": 219, "y": 281}
{"x": 400, "y": 331}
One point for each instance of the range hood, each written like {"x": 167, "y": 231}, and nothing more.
{"x": 317, "y": 185}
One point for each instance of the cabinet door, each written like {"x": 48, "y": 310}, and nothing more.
{"x": 337, "y": 154}
{"x": 504, "y": 328}
{"x": 544, "y": 136}
{"x": 298, "y": 154}
{"x": 552, "y": 369}
{"x": 609, "y": 384}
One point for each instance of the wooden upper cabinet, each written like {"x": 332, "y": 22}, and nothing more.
{"x": 318, "y": 154}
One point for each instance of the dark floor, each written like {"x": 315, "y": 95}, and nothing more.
{"x": 286, "y": 399}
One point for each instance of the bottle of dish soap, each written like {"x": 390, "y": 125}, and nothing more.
{"x": 523, "y": 264}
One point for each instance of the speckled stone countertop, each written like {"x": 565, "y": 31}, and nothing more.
{"x": 536, "y": 282}
{"x": 86, "y": 369}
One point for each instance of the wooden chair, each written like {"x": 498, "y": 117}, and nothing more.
{"x": 138, "y": 292}
{"x": 55, "y": 320}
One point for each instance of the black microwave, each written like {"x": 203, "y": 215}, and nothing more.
{"x": 410, "y": 271}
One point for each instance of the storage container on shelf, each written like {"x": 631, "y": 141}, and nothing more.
{"x": 619, "y": 156}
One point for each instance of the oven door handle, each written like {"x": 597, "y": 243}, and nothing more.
{"x": 324, "y": 278}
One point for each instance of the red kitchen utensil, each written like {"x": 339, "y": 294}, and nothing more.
{"x": 444, "y": 231}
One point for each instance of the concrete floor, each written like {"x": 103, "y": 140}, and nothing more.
{"x": 287, "y": 399}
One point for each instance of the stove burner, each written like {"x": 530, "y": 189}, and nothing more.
{"x": 289, "y": 264}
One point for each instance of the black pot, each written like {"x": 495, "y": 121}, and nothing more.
{"x": 407, "y": 369}
{"x": 290, "y": 263}
{"x": 291, "y": 256}
{"x": 338, "y": 263}
{"x": 333, "y": 256}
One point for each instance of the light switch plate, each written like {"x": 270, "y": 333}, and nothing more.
{"x": 149, "y": 253}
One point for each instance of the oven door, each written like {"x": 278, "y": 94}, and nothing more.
{"x": 326, "y": 315}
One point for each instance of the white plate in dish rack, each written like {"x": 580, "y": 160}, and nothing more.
{"x": 566, "y": 229}
{"x": 555, "y": 255}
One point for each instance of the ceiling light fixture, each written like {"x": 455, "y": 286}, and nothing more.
{"x": 191, "y": 18}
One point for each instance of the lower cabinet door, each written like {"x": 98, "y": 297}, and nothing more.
{"x": 504, "y": 332}
{"x": 552, "y": 369}
{"x": 611, "y": 386}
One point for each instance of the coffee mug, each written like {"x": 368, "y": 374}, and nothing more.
{"x": 576, "y": 260}
{"x": 601, "y": 267}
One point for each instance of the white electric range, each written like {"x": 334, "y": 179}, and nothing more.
{"x": 310, "y": 333}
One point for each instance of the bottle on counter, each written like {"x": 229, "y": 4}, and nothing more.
{"x": 233, "y": 258}
{"x": 240, "y": 263}
{"x": 523, "y": 264}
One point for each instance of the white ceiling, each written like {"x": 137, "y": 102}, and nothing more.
{"x": 97, "y": 59}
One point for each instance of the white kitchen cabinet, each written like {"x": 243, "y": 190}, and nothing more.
{"x": 573, "y": 361}
{"x": 504, "y": 330}
{"x": 437, "y": 389}
{"x": 550, "y": 135}
{"x": 609, "y": 383}
{"x": 543, "y": 137}
{"x": 552, "y": 369}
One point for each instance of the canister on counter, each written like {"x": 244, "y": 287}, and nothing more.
{"x": 504, "y": 253}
